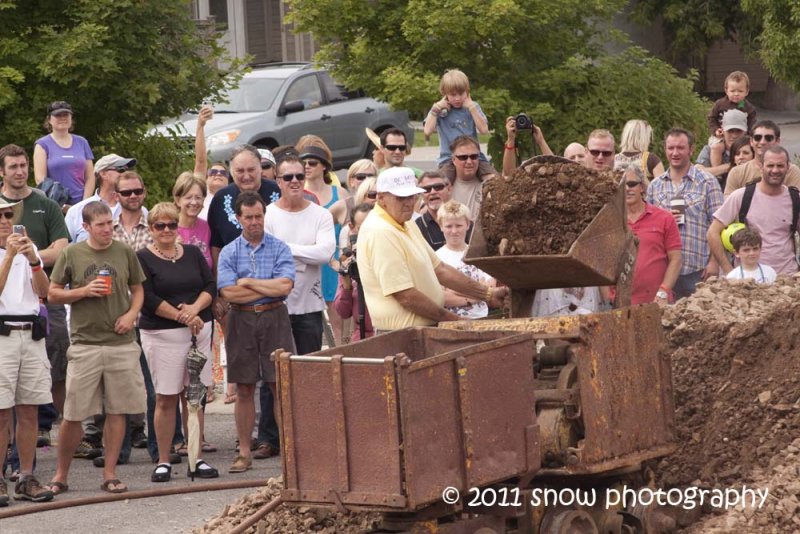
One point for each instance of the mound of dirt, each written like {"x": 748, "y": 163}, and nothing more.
{"x": 286, "y": 519}
{"x": 542, "y": 208}
{"x": 736, "y": 375}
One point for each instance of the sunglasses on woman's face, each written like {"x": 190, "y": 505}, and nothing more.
{"x": 372, "y": 195}
{"x": 311, "y": 162}
{"x": 218, "y": 172}
{"x": 160, "y": 226}
{"x": 363, "y": 176}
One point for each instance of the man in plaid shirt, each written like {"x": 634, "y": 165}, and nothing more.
{"x": 702, "y": 196}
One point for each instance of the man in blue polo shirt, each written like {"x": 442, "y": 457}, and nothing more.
{"x": 255, "y": 274}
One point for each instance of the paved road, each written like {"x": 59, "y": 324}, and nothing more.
{"x": 177, "y": 513}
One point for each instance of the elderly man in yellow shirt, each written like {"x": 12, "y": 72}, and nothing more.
{"x": 401, "y": 275}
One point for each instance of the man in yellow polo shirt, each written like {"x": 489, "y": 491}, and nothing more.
{"x": 401, "y": 275}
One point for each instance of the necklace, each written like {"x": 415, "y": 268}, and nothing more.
{"x": 163, "y": 255}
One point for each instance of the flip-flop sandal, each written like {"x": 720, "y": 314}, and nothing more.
{"x": 182, "y": 450}
{"x": 106, "y": 486}
{"x": 230, "y": 398}
{"x": 207, "y": 447}
{"x": 58, "y": 487}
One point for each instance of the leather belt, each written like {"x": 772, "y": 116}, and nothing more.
{"x": 257, "y": 308}
{"x": 27, "y": 326}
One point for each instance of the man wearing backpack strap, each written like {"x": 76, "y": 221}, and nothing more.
{"x": 769, "y": 207}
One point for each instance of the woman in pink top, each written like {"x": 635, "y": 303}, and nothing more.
{"x": 189, "y": 192}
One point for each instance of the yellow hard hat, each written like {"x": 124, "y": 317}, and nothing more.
{"x": 728, "y": 232}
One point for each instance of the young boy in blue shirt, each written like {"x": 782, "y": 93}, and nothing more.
{"x": 456, "y": 114}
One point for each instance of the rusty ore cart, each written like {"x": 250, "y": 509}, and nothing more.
{"x": 509, "y": 406}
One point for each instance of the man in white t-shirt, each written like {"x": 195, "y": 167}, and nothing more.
{"x": 308, "y": 230}
{"x": 770, "y": 214}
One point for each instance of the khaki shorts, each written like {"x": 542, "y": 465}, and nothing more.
{"x": 166, "y": 351}
{"x": 24, "y": 371}
{"x": 104, "y": 378}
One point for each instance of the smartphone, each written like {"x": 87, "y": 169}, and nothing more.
{"x": 18, "y": 229}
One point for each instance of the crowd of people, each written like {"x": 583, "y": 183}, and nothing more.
{"x": 102, "y": 299}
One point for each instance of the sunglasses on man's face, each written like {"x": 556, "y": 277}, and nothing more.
{"x": 218, "y": 172}
{"x": 433, "y": 187}
{"x": 7, "y": 215}
{"x": 289, "y": 177}
{"x": 395, "y": 148}
{"x": 372, "y": 195}
{"x": 465, "y": 157}
{"x": 632, "y": 184}
{"x": 604, "y": 153}
{"x": 160, "y": 226}
{"x": 265, "y": 166}
{"x": 363, "y": 176}
{"x": 128, "y": 192}
{"x": 766, "y": 137}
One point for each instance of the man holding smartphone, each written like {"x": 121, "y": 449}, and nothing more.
{"x": 44, "y": 225}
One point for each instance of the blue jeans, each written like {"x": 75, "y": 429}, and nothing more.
{"x": 686, "y": 284}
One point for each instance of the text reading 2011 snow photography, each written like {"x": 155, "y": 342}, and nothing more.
{"x": 687, "y": 498}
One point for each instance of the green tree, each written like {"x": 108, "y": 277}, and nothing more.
{"x": 122, "y": 64}
{"x": 778, "y": 41}
{"x": 541, "y": 56}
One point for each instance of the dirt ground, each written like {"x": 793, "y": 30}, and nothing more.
{"x": 736, "y": 371}
{"x": 543, "y": 208}
{"x": 735, "y": 348}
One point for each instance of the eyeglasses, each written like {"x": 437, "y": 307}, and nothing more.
{"x": 433, "y": 187}
{"x": 311, "y": 162}
{"x": 128, "y": 192}
{"x": 289, "y": 177}
{"x": 395, "y": 148}
{"x": 266, "y": 165}
{"x": 632, "y": 184}
{"x": 120, "y": 169}
{"x": 465, "y": 157}
{"x": 605, "y": 153}
{"x": 767, "y": 137}
{"x": 363, "y": 176}
{"x": 372, "y": 195}
{"x": 218, "y": 172}
{"x": 160, "y": 226}
{"x": 7, "y": 215}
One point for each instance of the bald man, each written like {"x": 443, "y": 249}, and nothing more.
{"x": 576, "y": 152}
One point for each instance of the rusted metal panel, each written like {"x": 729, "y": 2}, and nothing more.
{"x": 595, "y": 258}
{"x": 625, "y": 384}
{"x": 465, "y": 415}
{"x": 439, "y": 408}
{"x": 564, "y": 326}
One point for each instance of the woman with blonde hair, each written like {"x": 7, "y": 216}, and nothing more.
{"x": 178, "y": 290}
{"x": 454, "y": 220}
{"x": 634, "y": 148}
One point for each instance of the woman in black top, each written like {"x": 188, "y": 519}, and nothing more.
{"x": 177, "y": 298}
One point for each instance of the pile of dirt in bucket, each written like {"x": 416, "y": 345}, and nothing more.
{"x": 284, "y": 518}
{"x": 542, "y": 208}
{"x": 735, "y": 349}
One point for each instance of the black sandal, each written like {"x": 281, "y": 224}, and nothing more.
{"x": 160, "y": 475}
{"x": 202, "y": 470}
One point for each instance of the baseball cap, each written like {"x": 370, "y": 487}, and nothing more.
{"x": 59, "y": 106}
{"x": 113, "y": 161}
{"x": 267, "y": 155}
{"x": 734, "y": 120}
{"x": 398, "y": 181}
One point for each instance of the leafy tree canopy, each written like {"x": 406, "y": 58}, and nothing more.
{"x": 543, "y": 57}
{"x": 122, "y": 64}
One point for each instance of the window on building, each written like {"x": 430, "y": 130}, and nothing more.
{"x": 219, "y": 10}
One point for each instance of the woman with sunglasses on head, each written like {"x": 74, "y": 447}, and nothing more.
{"x": 64, "y": 157}
{"x": 177, "y": 297}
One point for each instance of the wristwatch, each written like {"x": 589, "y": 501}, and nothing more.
{"x": 661, "y": 294}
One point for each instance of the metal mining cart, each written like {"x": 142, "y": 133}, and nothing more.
{"x": 509, "y": 406}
